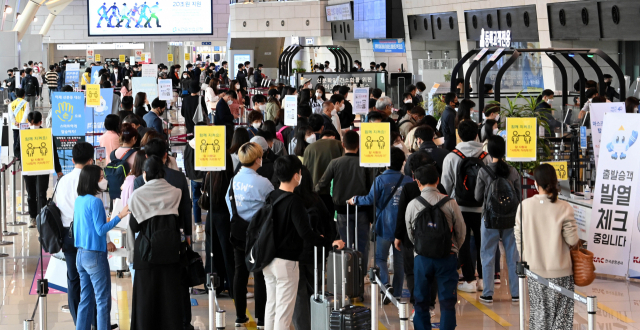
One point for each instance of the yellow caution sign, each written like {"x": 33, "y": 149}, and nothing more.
{"x": 375, "y": 144}
{"x": 522, "y": 139}
{"x": 36, "y": 149}
{"x": 187, "y": 56}
{"x": 169, "y": 57}
{"x": 121, "y": 58}
{"x": 562, "y": 169}
{"x": 97, "y": 57}
{"x": 143, "y": 57}
{"x": 93, "y": 95}
{"x": 211, "y": 153}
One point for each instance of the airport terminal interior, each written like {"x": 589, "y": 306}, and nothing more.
{"x": 501, "y": 106}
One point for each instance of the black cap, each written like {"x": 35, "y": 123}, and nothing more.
{"x": 607, "y": 76}
{"x": 344, "y": 90}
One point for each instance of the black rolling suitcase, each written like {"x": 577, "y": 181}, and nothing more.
{"x": 352, "y": 266}
{"x": 349, "y": 317}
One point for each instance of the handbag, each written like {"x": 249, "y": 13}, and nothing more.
{"x": 195, "y": 268}
{"x": 198, "y": 116}
{"x": 238, "y": 225}
{"x": 205, "y": 199}
{"x": 583, "y": 267}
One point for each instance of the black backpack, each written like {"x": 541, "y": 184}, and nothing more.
{"x": 31, "y": 86}
{"x": 160, "y": 240}
{"x": 260, "y": 247}
{"x": 500, "y": 203}
{"x": 50, "y": 228}
{"x": 116, "y": 172}
{"x": 431, "y": 231}
{"x": 466, "y": 175}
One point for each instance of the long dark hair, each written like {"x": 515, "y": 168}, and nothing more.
{"x": 140, "y": 98}
{"x": 464, "y": 111}
{"x": 301, "y": 141}
{"x": 488, "y": 128}
{"x": 240, "y": 137}
{"x": 138, "y": 162}
{"x": 497, "y": 149}
{"x": 546, "y": 179}
{"x": 305, "y": 190}
{"x": 88, "y": 180}
{"x": 153, "y": 168}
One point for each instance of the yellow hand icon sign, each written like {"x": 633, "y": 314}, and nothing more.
{"x": 66, "y": 110}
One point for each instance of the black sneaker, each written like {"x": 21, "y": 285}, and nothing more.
{"x": 386, "y": 299}
{"x": 486, "y": 299}
{"x": 241, "y": 321}
{"x": 515, "y": 299}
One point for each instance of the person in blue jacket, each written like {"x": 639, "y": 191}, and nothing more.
{"x": 102, "y": 11}
{"x": 387, "y": 189}
{"x": 115, "y": 12}
{"x": 90, "y": 227}
{"x": 143, "y": 15}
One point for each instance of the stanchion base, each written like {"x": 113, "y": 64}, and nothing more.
{"x": 5, "y": 243}
{"x": 17, "y": 223}
{"x": 9, "y": 233}
{"x": 23, "y": 213}
{"x": 4, "y": 255}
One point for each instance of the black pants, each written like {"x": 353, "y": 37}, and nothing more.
{"x": 240, "y": 288}
{"x": 328, "y": 202}
{"x": 16, "y": 143}
{"x": 37, "y": 193}
{"x": 185, "y": 300}
{"x": 73, "y": 278}
{"x": 473, "y": 221}
{"x": 223, "y": 261}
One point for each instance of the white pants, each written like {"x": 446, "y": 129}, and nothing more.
{"x": 281, "y": 278}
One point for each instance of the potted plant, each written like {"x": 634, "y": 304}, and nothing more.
{"x": 299, "y": 67}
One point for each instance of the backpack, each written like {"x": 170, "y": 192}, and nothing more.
{"x": 279, "y": 134}
{"x": 30, "y": 86}
{"x": 466, "y": 176}
{"x": 160, "y": 240}
{"x": 500, "y": 203}
{"x": 116, "y": 172}
{"x": 50, "y": 228}
{"x": 260, "y": 246}
{"x": 431, "y": 232}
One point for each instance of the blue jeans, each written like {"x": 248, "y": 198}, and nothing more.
{"x": 195, "y": 196}
{"x": 363, "y": 234}
{"x": 488, "y": 247}
{"x": 53, "y": 89}
{"x": 95, "y": 289}
{"x": 12, "y": 96}
{"x": 444, "y": 272}
{"x": 382, "y": 253}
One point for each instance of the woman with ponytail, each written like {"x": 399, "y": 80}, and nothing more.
{"x": 545, "y": 231}
{"x": 490, "y": 237}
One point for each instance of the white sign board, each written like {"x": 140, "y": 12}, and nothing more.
{"x": 495, "y": 38}
{"x": 598, "y": 110}
{"x": 73, "y": 67}
{"x": 615, "y": 210}
{"x": 149, "y": 70}
{"x": 164, "y": 90}
{"x": 361, "y": 101}
{"x": 290, "y": 110}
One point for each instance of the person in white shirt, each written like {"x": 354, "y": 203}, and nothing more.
{"x": 65, "y": 197}
{"x": 327, "y": 68}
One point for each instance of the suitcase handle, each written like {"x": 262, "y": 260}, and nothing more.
{"x": 323, "y": 272}
{"x": 355, "y": 229}
{"x": 335, "y": 280}
{"x": 315, "y": 272}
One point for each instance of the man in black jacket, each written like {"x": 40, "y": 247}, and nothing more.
{"x": 158, "y": 147}
{"x": 11, "y": 84}
{"x": 190, "y": 105}
{"x": 448, "y": 121}
{"x": 223, "y": 115}
{"x": 257, "y": 75}
{"x": 241, "y": 76}
{"x": 346, "y": 114}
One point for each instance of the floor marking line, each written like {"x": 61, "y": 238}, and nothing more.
{"x": 124, "y": 321}
{"x": 613, "y": 313}
{"x": 484, "y": 309}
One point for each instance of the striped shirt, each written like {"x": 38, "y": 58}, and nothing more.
{"x": 52, "y": 79}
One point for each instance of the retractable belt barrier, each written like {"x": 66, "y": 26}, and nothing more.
{"x": 403, "y": 307}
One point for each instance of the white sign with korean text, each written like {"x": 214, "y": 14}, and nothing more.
{"x": 361, "y": 101}
{"x": 598, "y": 110}
{"x": 614, "y": 214}
{"x": 495, "y": 38}
{"x": 290, "y": 110}
{"x": 164, "y": 90}
{"x": 149, "y": 70}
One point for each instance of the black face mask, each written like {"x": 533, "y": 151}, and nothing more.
{"x": 608, "y": 83}
{"x": 372, "y": 67}
{"x": 457, "y": 104}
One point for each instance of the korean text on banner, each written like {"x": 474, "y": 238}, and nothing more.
{"x": 361, "y": 101}
{"x": 95, "y": 116}
{"x": 614, "y": 215}
{"x": 68, "y": 114}
{"x": 597, "y": 112}
{"x": 93, "y": 95}
{"x": 165, "y": 92}
{"x": 36, "y": 147}
{"x": 375, "y": 146}
{"x": 561, "y": 168}
{"x": 149, "y": 70}
{"x": 522, "y": 139}
{"x": 72, "y": 77}
{"x": 147, "y": 85}
{"x": 121, "y": 58}
{"x": 290, "y": 110}
{"x": 97, "y": 57}
{"x": 210, "y": 148}
{"x": 169, "y": 57}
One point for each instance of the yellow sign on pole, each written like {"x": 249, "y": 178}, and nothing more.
{"x": 169, "y": 57}
{"x": 97, "y": 57}
{"x": 562, "y": 169}
{"x": 522, "y": 139}
{"x": 375, "y": 144}
{"x": 211, "y": 151}
{"x": 121, "y": 58}
{"x": 187, "y": 56}
{"x": 143, "y": 57}
{"x": 93, "y": 95}
{"x": 36, "y": 149}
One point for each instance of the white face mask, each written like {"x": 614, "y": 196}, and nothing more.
{"x": 408, "y": 101}
{"x": 127, "y": 65}
{"x": 103, "y": 184}
{"x": 497, "y": 118}
{"x": 278, "y": 96}
{"x": 342, "y": 107}
{"x": 256, "y": 125}
{"x": 495, "y": 131}
{"x": 399, "y": 146}
{"x": 300, "y": 182}
{"x": 311, "y": 138}
{"x": 318, "y": 94}
{"x": 229, "y": 102}
{"x": 185, "y": 76}
{"x": 550, "y": 101}
{"x": 237, "y": 86}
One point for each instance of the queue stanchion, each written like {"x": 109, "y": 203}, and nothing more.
{"x": 373, "y": 278}
{"x": 3, "y": 183}
{"x": 14, "y": 215}
{"x": 213, "y": 281}
{"x": 23, "y": 200}
{"x": 592, "y": 308}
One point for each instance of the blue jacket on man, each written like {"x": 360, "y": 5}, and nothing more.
{"x": 153, "y": 121}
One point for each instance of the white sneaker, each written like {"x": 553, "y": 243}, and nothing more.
{"x": 467, "y": 287}
{"x": 412, "y": 315}
{"x": 432, "y": 311}
{"x": 479, "y": 285}
{"x": 249, "y": 295}
{"x": 200, "y": 228}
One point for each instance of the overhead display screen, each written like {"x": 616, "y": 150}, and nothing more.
{"x": 341, "y": 12}
{"x": 124, "y": 18}
{"x": 370, "y": 19}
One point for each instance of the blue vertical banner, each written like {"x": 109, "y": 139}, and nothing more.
{"x": 68, "y": 114}
{"x": 583, "y": 137}
{"x": 95, "y": 116}
{"x": 95, "y": 77}
{"x": 71, "y": 77}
